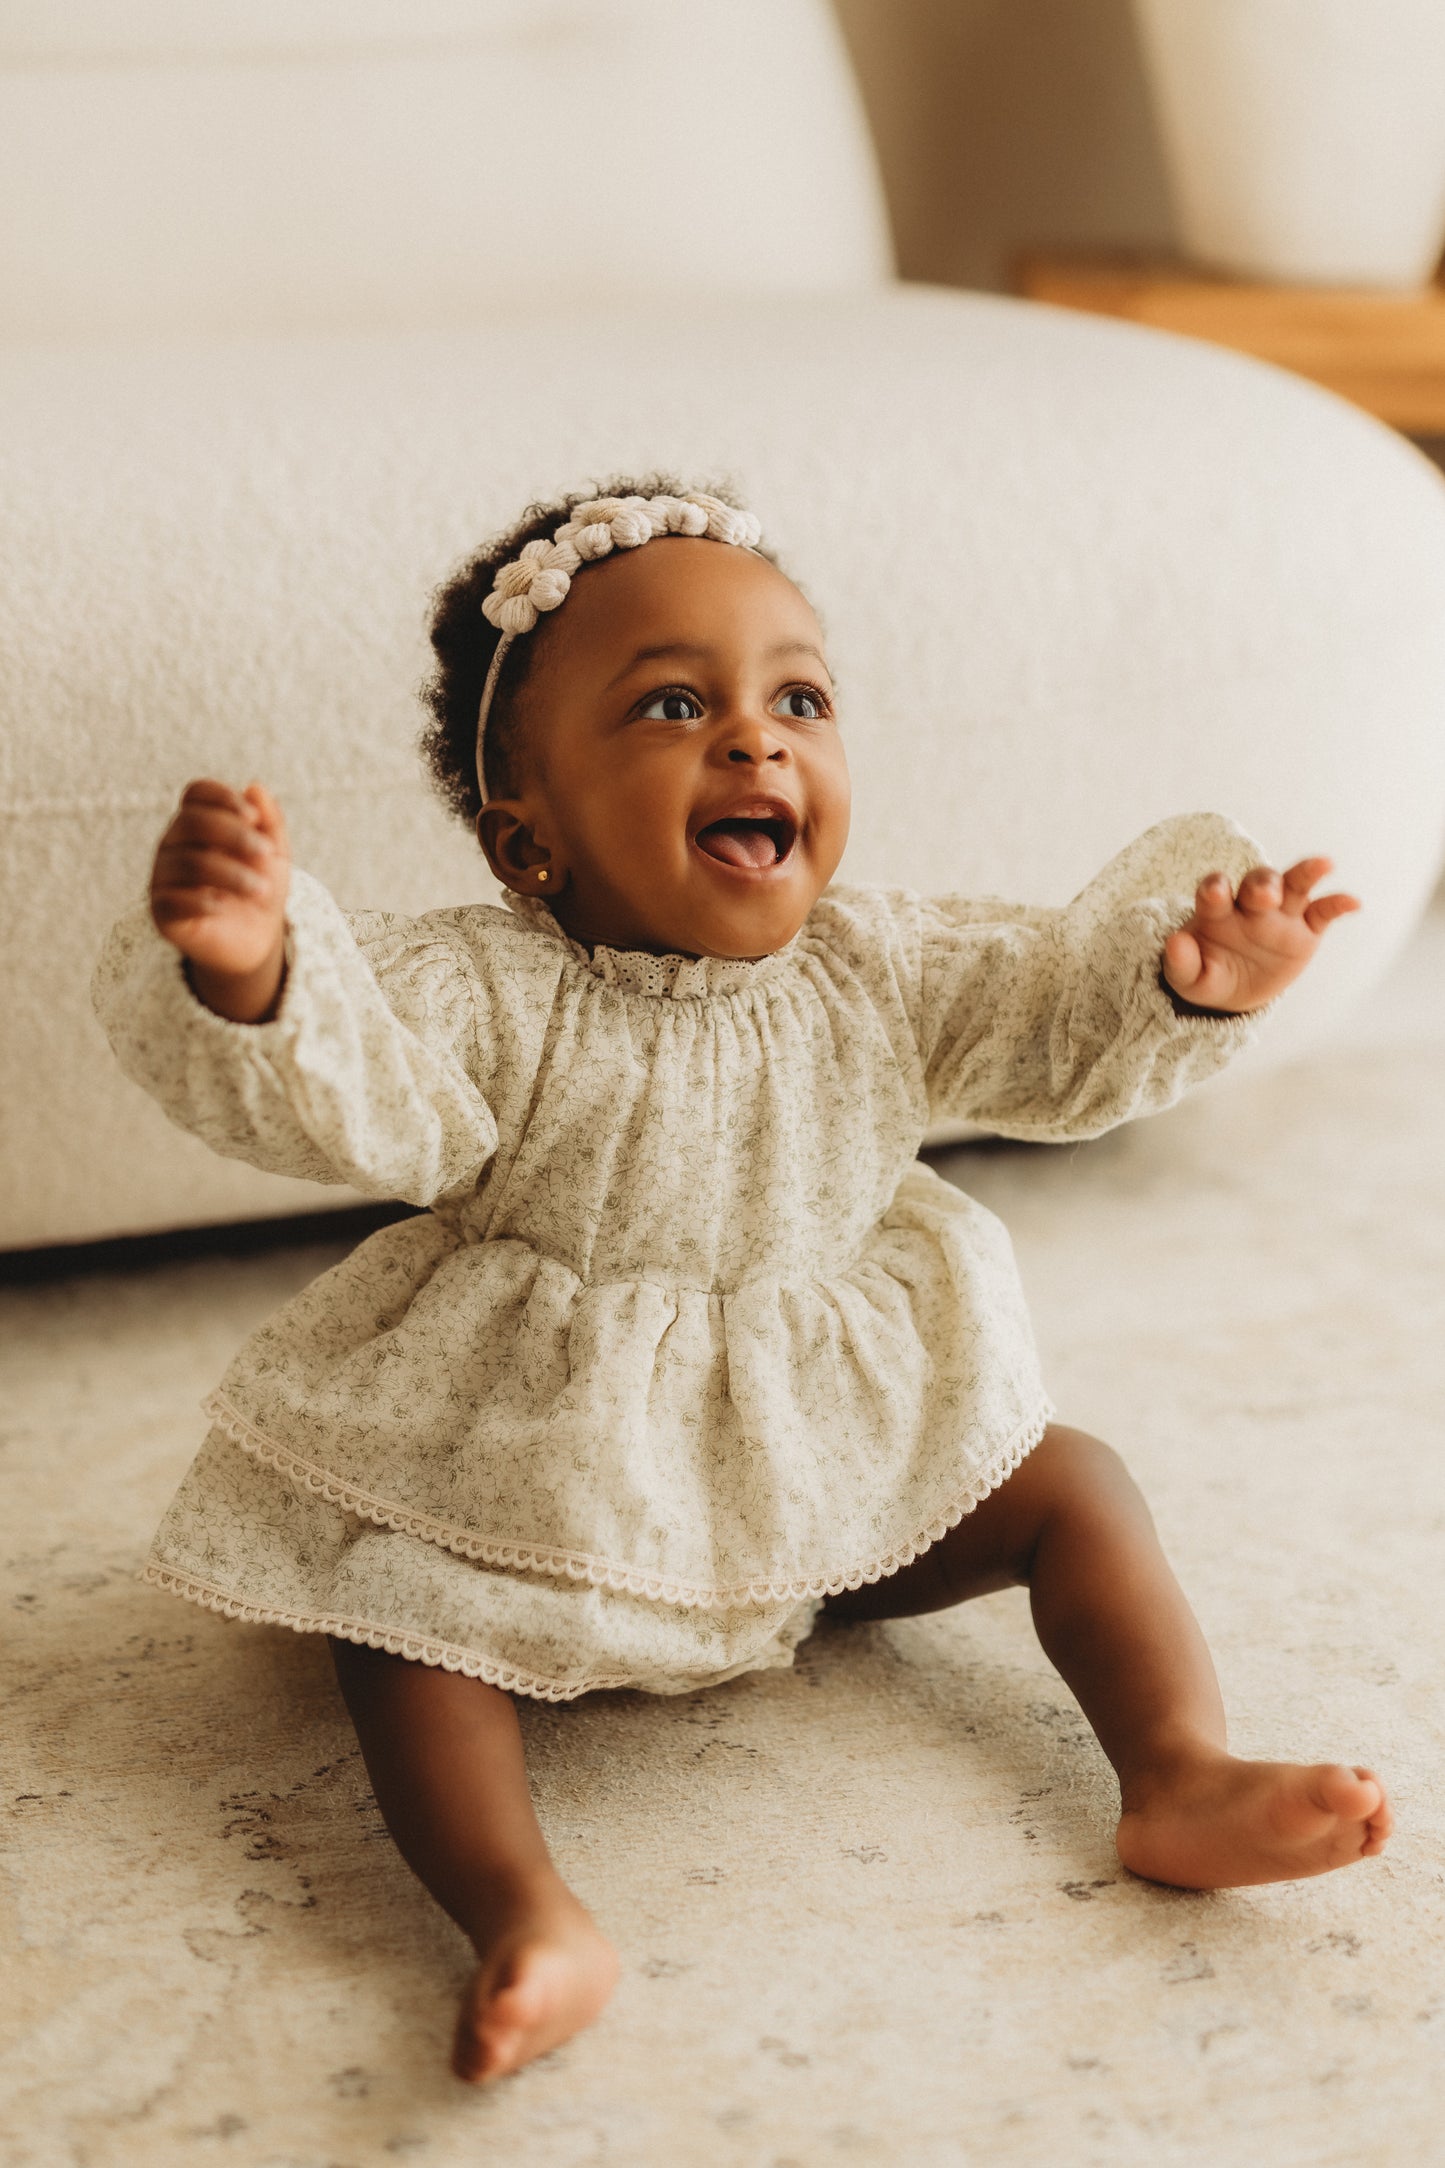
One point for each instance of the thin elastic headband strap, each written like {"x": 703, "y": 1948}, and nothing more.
{"x": 494, "y": 671}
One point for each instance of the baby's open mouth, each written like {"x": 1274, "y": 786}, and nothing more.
{"x": 739, "y": 842}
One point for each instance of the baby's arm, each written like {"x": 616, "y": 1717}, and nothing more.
{"x": 1058, "y": 1024}
{"x": 277, "y": 1033}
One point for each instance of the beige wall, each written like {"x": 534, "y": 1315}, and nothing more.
{"x": 1004, "y": 124}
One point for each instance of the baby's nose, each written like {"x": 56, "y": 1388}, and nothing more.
{"x": 755, "y": 737}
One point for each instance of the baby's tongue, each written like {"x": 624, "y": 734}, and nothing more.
{"x": 738, "y": 843}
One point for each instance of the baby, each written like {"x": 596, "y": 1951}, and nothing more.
{"x": 688, "y": 1344}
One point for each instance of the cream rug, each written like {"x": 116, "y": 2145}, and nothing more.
{"x": 869, "y": 1909}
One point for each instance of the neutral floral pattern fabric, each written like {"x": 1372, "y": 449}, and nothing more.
{"x": 687, "y": 1337}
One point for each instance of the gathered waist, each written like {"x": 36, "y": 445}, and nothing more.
{"x": 922, "y": 1203}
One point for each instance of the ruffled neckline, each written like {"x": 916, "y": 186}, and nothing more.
{"x": 638, "y": 971}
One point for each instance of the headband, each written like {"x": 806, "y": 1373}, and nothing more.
{"x": 540, "y": 577}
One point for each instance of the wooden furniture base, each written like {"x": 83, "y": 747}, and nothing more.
{"x": 1384, "y": 351}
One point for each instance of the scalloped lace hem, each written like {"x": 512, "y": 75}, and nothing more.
{"x": 420, "y": 1648}
{"x": 603, "y": 1573}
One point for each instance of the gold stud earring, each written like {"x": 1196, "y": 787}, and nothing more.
{"x": 543, "y": 874}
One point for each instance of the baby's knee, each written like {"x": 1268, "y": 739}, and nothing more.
{"x": 1081, "y": 1470}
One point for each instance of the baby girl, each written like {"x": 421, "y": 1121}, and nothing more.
{"x": 687, "y": 1344}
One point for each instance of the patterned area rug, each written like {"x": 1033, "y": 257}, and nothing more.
{"x": 869, "y": 1909}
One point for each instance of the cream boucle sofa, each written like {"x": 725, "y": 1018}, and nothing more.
{"x": 301, "y": 307}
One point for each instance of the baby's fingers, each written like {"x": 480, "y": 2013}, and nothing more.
{"x": 1213, "y": 899}
{"x": 268, "y": 817}
{"x": 172, "y": 907}
{"x": 187, "y": 865}
{"x": 1261, "y": 890}
{"x": 1300, "y": 879}
{"x": 213, "y": 827}
{"x": 1325, "y": 909}
{"x": 1183, "y": 961}
{"x": 207, "y": 790}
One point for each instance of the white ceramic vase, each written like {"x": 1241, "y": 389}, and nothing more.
{"x": 1305, "y": 139}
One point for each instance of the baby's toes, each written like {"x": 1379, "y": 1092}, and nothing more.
{"x": 1351, "y": 1795}
{"x": 513, "y": 2029}
{"x": 1379, "y": 1824}
{"x": 499, "y": 2018}
{"x": 472, "y": 2048}
{"x": 1341, "y": 1803}
{"x": 539, "y": 1995}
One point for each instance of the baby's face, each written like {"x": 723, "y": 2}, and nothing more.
{"x": 680, "y": 686}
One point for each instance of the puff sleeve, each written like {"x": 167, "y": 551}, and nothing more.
{"x": 1051, "y": 1025}
{"x": 365, "y": 1075}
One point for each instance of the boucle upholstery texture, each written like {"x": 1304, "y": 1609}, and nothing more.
{"x": 1076, "y": 577}
{"x": 300, "y": 164}
{"x": 868, "y": 1909}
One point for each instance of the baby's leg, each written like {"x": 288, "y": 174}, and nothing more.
{"x": 444, "y": 1754}
{"x": 1071, "y": 1525}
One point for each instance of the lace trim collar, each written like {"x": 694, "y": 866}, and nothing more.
{"x": 638, "y": 971}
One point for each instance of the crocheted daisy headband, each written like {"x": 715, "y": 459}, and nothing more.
{"x": 540, "y": 577}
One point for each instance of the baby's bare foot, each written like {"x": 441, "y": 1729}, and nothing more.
{"x": 1212, "y": 1822}
{"x": 545, "y": 1972}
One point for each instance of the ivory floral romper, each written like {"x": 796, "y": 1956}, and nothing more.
{"x": 687, "y": 1336}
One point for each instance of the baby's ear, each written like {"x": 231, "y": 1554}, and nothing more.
{"x": 512, "y": 851}
{"x": 495, "y": 827}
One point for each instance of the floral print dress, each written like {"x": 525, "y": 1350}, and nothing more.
{"x": 687, "y": 1337}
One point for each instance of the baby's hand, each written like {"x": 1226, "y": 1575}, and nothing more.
{"x": 1238, "y": 953}
{"x": 218, "y": 891}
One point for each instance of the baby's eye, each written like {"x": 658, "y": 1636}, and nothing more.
{"x": 671, "y": 707}
{"x": 812, "y": 709}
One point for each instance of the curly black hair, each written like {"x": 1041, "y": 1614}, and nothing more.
{"x": 464, "y": 643}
